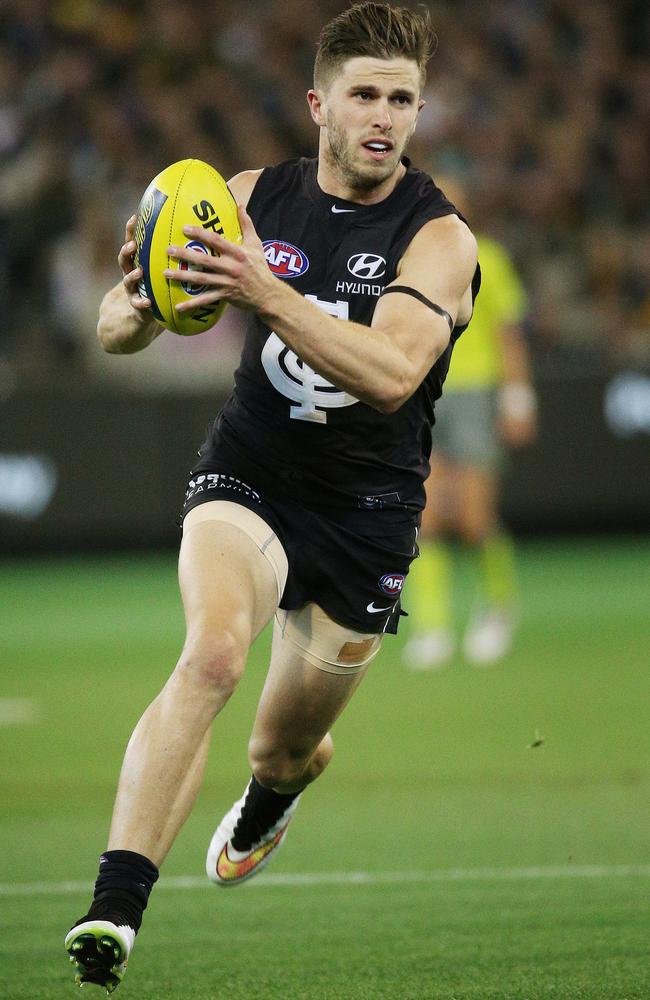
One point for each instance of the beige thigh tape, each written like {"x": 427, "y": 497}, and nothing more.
{"x": 252, "y": 524}
{"x": 329, "y": 646}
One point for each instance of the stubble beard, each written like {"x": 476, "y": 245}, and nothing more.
{"x": 343, "y": 159}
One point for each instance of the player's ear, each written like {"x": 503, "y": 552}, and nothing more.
{"x": 315, "y": 101}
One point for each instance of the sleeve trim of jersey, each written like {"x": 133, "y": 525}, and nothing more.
{"x": 407, "y": 290}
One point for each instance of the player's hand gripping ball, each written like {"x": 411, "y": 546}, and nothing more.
{"x": 189, "y": 192}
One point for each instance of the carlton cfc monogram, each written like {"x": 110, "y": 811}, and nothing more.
{"x": 297, "y": 381}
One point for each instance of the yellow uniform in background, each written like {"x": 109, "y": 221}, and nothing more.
{"x": 467, "y": 448}
{"x": 465, "y": 431}
{"x": 477, "y": 361}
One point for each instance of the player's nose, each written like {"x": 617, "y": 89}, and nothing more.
{"x": 383, "y": 119}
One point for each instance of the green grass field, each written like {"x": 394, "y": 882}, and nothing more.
{"x": 441, "y": 857}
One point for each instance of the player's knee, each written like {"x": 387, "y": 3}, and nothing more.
{"x": 213, "y": 662}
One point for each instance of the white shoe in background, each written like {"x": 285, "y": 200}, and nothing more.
{"x": 428, "y": 650}
{"x": 489, "y": 635}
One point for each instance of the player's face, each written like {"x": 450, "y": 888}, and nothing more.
{"x": 370, "y": 110}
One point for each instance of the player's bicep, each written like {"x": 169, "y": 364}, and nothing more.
{"x": 432, "y": 292}
{"x": 440, "y": 262}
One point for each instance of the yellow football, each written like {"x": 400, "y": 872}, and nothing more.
{"x": 189, "y": 192}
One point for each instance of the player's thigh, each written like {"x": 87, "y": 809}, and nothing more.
{"x": 316, "y": 666}
{"x": 227, "y": 582}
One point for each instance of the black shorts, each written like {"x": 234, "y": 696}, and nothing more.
{"x": 351, "y": 563}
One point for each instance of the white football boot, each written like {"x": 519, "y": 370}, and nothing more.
{"x": 100, "y": 950}
{"x": 227, "y": 866}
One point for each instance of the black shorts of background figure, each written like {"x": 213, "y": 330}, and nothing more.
{"x": 352, "y": 564}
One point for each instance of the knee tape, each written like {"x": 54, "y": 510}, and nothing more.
{"x": 252, "y": 524}
{"x": 324, "y": 643}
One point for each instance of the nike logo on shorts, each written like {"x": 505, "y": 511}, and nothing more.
{"x": 337, "y": 211}
{"x": 373, "y": 610}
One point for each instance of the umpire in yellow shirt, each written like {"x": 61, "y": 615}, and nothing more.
{"x": 488, "y": 405}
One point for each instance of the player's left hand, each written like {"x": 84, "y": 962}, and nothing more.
{"x": 238, "y": 273}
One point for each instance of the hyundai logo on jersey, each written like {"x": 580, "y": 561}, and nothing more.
{"x": 391, "y": 583}
{"x": 284, "y": 259}
{"x": 367, "y": 265}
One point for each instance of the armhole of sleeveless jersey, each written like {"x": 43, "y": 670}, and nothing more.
{"x": 257, "y": 189}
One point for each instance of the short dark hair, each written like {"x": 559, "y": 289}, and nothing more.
{"x": 374, "y": 29}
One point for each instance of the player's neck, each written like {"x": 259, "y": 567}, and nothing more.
{"x": 331, "y": 182}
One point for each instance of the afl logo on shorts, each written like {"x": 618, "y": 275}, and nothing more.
{"x": 284, "y": 259}
{"x": 184, "y": 266}
{"x": 391, "y": 583}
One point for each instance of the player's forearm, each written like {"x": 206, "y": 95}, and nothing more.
{"x": 358, "y": 359}
{"x": 120, "y": 329}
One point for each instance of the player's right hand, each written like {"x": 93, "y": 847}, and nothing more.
{"x": 132, "y": 274}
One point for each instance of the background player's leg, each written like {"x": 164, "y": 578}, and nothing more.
{"x": 476, "y": 503}
{"x": 490, "y": 631}
{"x": 429, "y": 587}
{"x": 229, "y": 593}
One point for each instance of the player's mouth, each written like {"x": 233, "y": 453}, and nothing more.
{"x": 379, "y": 149}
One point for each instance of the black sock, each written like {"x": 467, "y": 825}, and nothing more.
{"x": 122, "y": 888}
{"x": 262, "y": 809}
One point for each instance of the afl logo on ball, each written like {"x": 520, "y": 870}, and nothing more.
{"x": 284, "y": 259}
{"x": 391, "y": 583}
{"x": 184, "y": 266}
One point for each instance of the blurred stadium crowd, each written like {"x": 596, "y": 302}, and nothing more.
{"x": 542, "y": 107}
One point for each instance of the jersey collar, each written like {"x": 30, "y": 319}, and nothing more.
{"x": 341, "y": 208}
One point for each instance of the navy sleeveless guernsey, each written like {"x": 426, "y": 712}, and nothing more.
{"x": 287, "y": 430}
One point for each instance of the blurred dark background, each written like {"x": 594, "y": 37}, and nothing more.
{"x": 541, "y": 107}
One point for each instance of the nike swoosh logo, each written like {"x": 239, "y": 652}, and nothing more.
{"x": 373, "y": 610}
{"x": 233, "y": 871}
{"x": 337, "y": 211}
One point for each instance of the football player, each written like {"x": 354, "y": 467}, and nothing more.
{"x": 358, "y": 276}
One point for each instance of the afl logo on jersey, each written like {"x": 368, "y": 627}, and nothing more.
{"x": 367, "y": 265}
{"x": 284, "y": 259}
{"x": 391, "y": 583}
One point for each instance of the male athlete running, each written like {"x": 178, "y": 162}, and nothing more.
{"x": 358, "y": 276}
